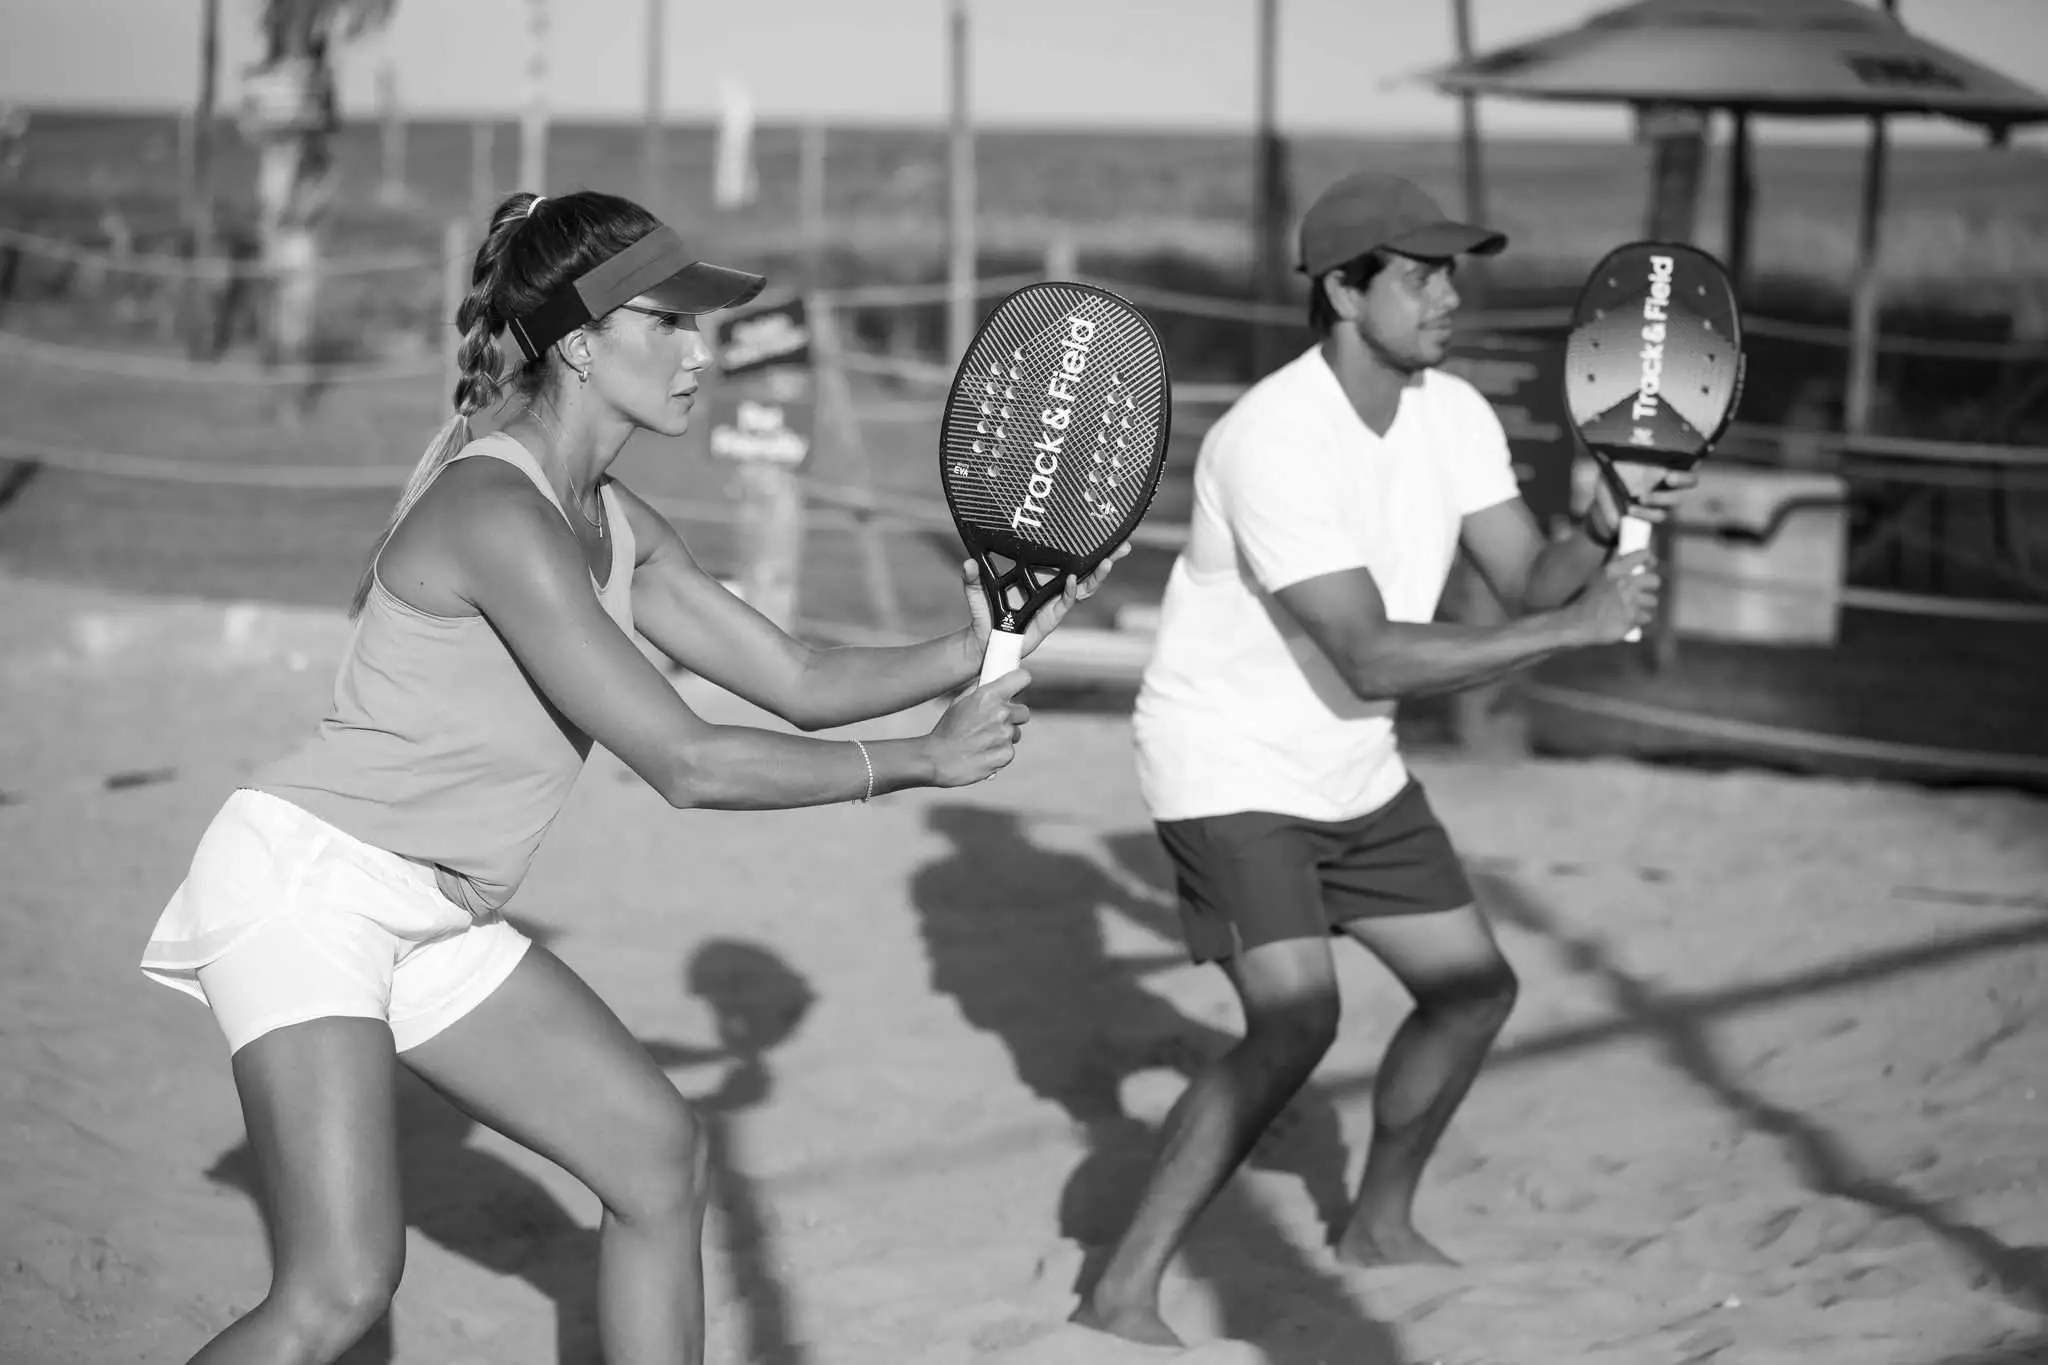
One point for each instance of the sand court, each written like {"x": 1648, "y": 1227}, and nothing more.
{"x": 1776, "y": 1088}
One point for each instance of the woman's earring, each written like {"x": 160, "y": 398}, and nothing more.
{"x": 582, "y": 376}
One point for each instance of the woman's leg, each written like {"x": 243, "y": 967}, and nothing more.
{"x": 317, "y": 1099}
{"x": 545, "y": 1062}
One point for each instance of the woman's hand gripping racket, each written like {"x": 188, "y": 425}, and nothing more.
{"x": 1051, "y": 447}
{"x": 1653, "y": 367}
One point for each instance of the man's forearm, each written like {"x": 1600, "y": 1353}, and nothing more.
{"x": 1411, "y": 660}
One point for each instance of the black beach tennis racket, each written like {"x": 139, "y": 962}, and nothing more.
{"x": 1051, "y": 447}
{"x": 1653, "y": 368}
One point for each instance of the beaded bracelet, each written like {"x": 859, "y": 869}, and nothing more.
{"x": 869, "y": 765}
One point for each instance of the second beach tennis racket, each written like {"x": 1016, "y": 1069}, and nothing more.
{"x": 1051, "y": 447}
{"x": 1653, "y": 366}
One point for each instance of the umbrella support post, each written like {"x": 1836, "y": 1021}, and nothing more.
{"x": 1741, "y": 200}
{"x": 1864, "y": 297}
{"x": 1678, "y": 150}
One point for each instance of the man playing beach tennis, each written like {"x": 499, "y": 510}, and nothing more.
{"x": 1330, "y": 502}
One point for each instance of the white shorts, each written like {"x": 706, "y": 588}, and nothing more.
{"x": 283, "y": 918}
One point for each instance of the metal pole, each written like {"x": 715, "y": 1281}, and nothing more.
{"x": 1470, "y": 152}
{"x": 483, "y": 168}
{"x": 651, "y": 159}
{"x": 533, "y": 131}
{"x": 201, "y": 298}
{"x": 199, "y": 166}
{"x": 960, "y": 221}
{"x": 1864, "y": 300}
{"x": 1269, "y": 188}
{"x": 1741, "y": 199}
{"x": 810, "y": 198}
{"x": 391, "y": 184}
{"x": 1062, "y": 260}
{"x": 1864, "y": 294}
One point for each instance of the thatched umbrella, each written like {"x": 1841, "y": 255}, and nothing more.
{"x": 1781, "y": 58}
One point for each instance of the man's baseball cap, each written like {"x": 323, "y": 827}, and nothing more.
{"x": 1369, "y": 211}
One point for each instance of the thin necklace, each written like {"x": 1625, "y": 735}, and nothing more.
{"x": 555, "y": 435}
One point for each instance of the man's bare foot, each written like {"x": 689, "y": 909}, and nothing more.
{"x": 1139, "y": 1323}
{"x": 1390, "y": 1244}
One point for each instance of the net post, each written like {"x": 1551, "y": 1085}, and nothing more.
{"x": 392, "y": 191}
{"x": 810, "y": 198}
{"x": 835, "y": 403}
{"x": 483, "y": 167}
{"x": 769, "y": 516}
{"x": 1062, "y": 260}
{"x": 963, "y": 253}
{"x": 771, "y": 523}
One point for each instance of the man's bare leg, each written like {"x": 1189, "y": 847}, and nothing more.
{"x": 1463, "y": 990}
{"x": 1289, "y": 992}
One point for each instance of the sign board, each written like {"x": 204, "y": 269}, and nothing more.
{"x": 764, "y": 406}
{"x": 776, "y": 337}
{"x": 1523, "y": 377}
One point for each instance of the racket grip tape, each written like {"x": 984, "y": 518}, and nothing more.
{"x": 1634, "y": 536}
{"x": 1005, "y": 651}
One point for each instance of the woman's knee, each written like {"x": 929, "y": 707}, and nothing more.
{"x": 664, "y": 1168}
{"x": 330, "y": 1304}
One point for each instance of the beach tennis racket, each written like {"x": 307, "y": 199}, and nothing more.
{"x": 1653, "y": 367}
{"x": 1051, "y": 446}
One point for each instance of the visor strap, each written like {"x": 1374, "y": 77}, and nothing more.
{"x": 600, "y": 289}
{"x": 561, "y": 313}
{"x": 517, "y": 327}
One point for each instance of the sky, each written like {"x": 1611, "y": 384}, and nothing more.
{"x": 1345, "y": 65}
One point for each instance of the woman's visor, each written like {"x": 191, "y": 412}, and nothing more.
{"x": 657, "y": 267}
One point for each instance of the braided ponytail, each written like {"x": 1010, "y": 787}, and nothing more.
{"x": 478, "y": 386}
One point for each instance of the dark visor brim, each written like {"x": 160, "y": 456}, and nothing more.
{"x": 701, "y": 287}
{"x": 658, "y": 267}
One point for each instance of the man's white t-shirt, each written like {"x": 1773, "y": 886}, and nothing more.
{"x": 1239, "y": 709}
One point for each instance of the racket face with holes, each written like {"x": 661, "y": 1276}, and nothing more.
{"x": 1052, "y": 442}
{"x": 1653, "y": 367}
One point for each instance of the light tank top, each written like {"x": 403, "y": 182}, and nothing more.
{"x": 437, "y": 746}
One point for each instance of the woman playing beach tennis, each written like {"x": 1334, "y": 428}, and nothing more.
{"x": 344, "y": 908}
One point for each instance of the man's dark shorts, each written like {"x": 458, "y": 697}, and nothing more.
{"x": 1254, "y": 877}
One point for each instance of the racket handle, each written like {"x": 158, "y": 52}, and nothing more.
{"x": 1005, "y": 651}
{"x": 1634, "y": 536}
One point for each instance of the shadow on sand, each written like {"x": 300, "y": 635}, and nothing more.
{"x": 497, "y": 1216}
{"x": 1822, "y": 1158}
{"x": 1013, "y": 935}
